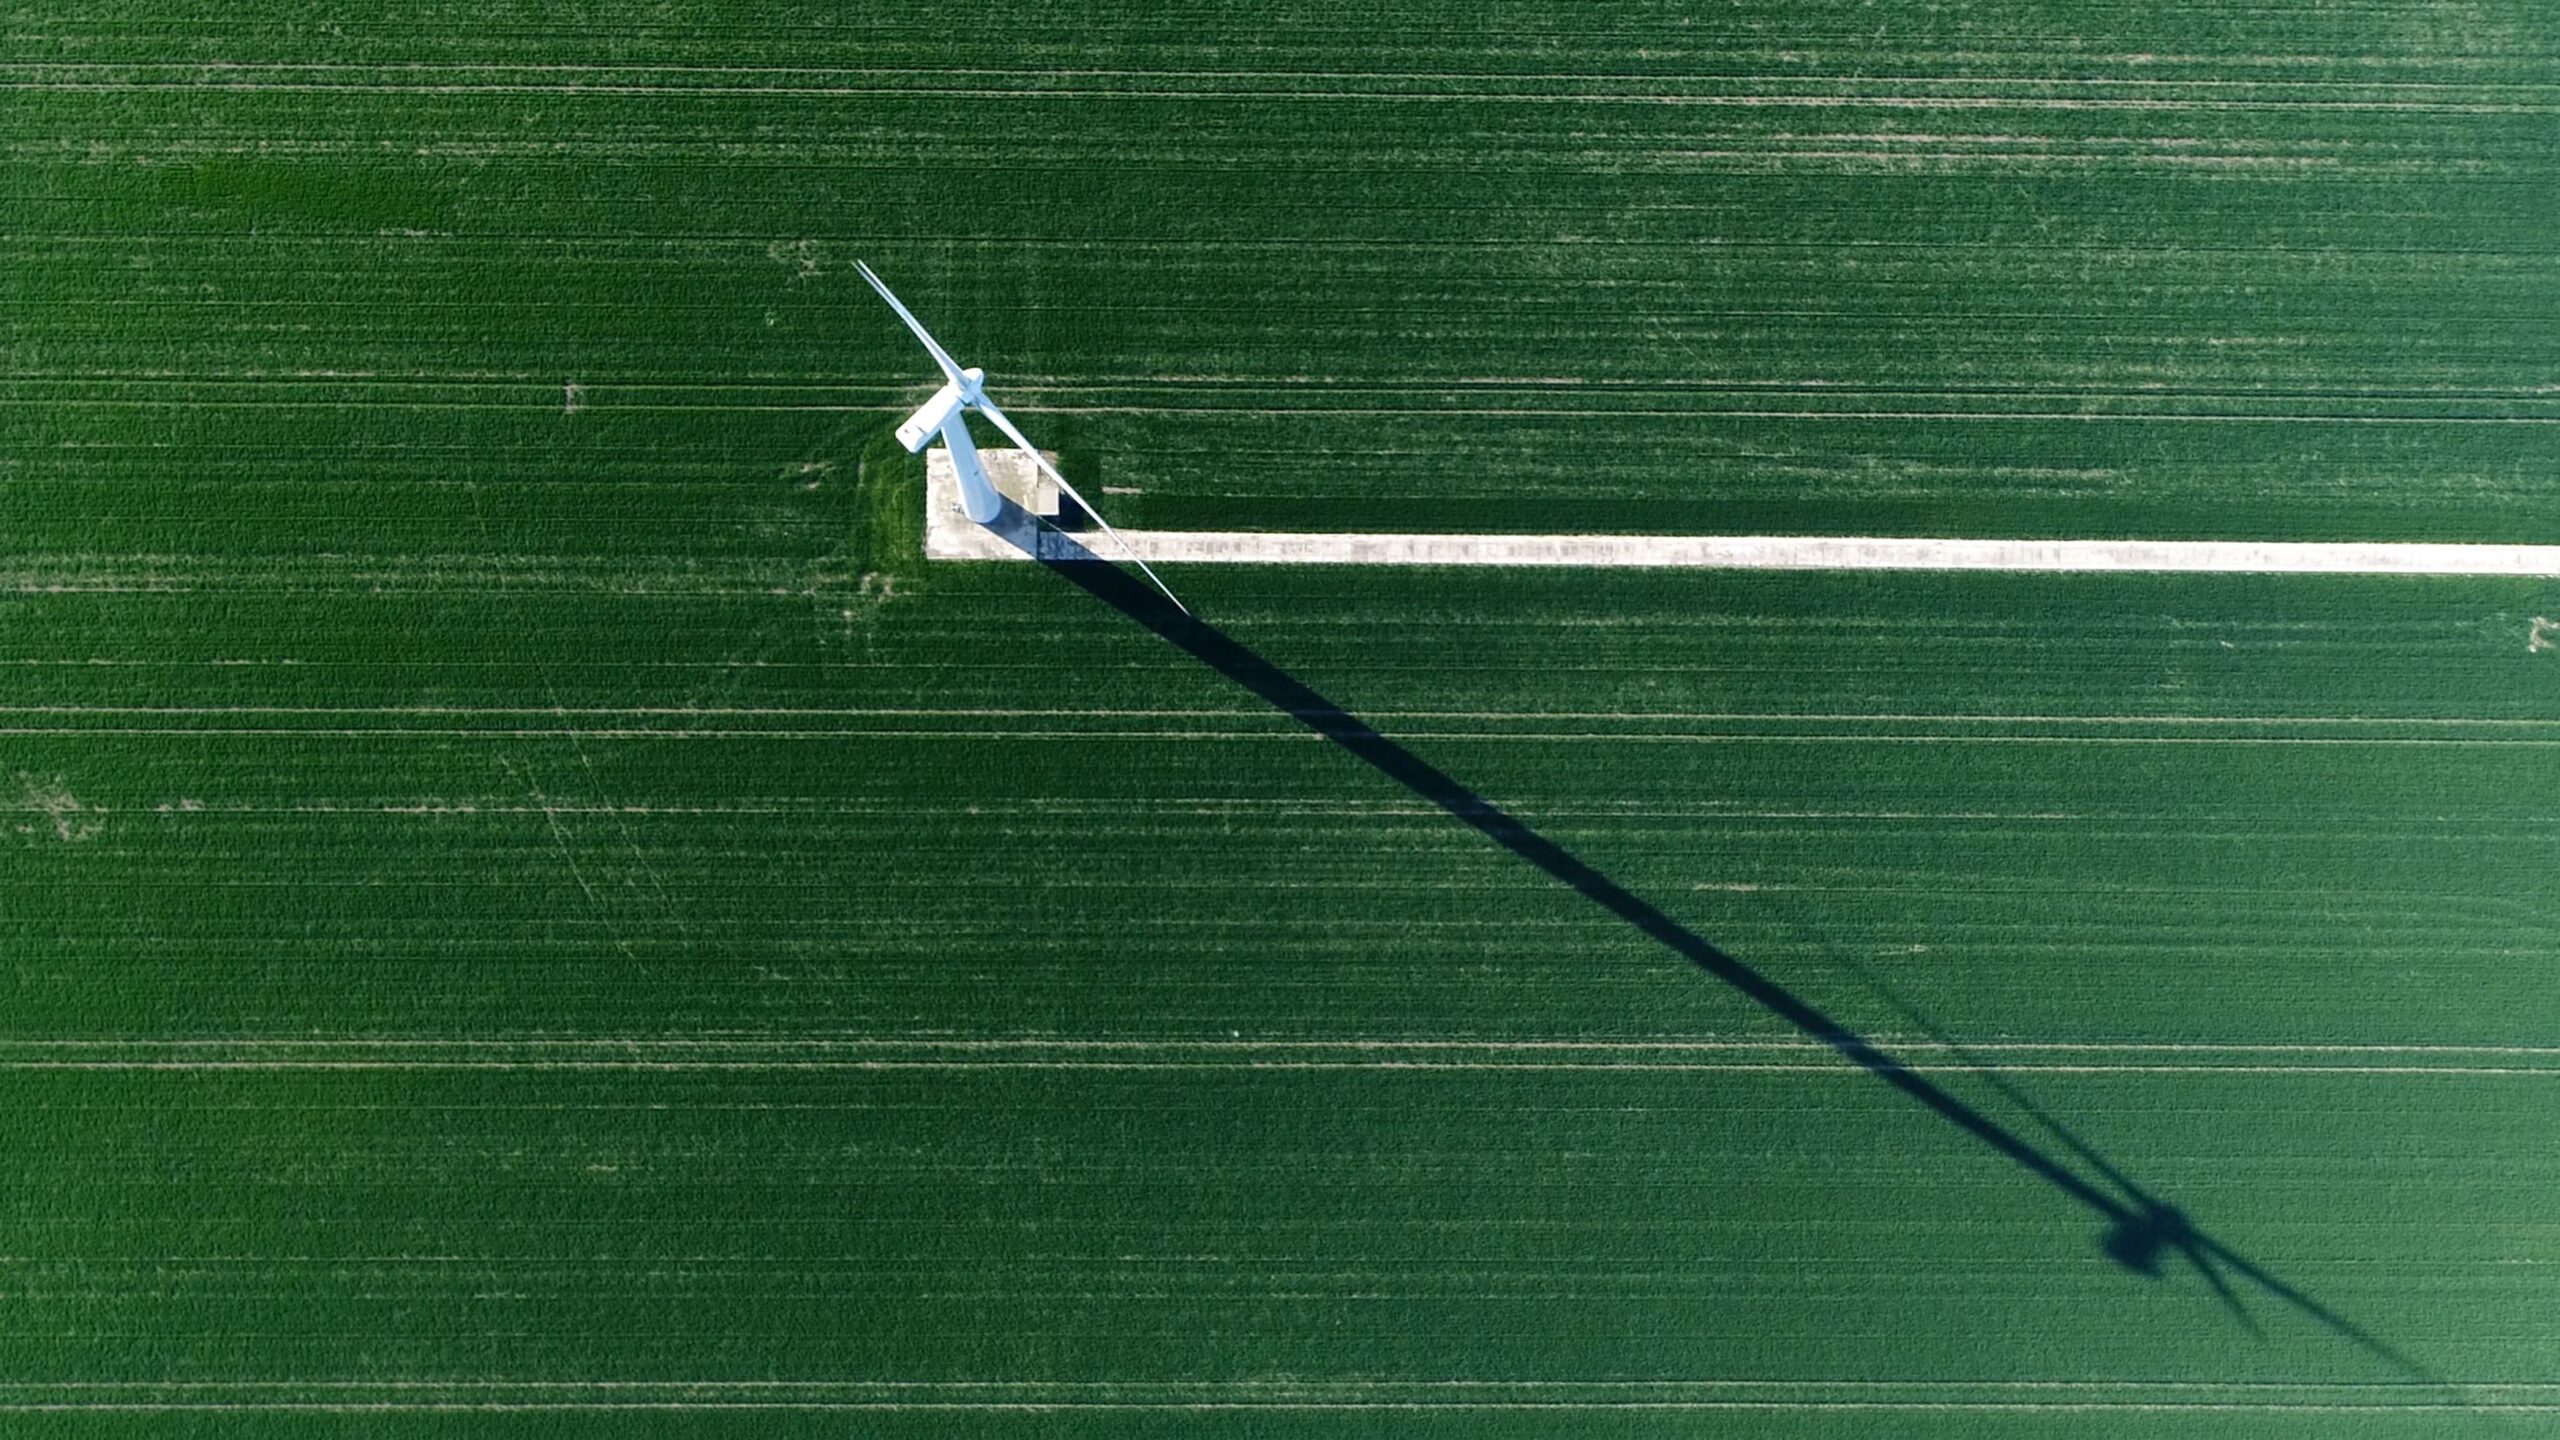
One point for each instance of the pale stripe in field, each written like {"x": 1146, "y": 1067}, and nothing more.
{"x": 854, "y": 1053}
{"x": 949, "y": 535}
{"x": 1284, "y": 1395}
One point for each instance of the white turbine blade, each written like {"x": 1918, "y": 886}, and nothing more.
{"x": 941, "y": 357}
{"x": 988, "y": 408}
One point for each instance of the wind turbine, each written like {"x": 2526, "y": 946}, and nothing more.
{"x": 946, "y": 414}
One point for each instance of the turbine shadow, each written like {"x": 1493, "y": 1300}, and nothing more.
{"x": 2142, "y": 1232}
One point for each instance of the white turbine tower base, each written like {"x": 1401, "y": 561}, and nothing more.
{"x": 947, "y": 414}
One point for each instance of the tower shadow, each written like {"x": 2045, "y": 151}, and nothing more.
{"x": 2140, "y": 1232}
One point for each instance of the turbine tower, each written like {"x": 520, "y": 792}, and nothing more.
{"x": 946, "y": 414}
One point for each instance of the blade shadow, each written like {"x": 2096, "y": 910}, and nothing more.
{"x": 2141, "y": 1231}
{"x": 2150, "y": 1230}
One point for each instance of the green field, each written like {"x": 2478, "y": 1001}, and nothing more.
{"x": 529, "y": 909}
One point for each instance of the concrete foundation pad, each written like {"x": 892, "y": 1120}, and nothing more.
{"x": 949, "y": 533}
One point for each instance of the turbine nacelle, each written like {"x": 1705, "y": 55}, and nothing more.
{"x": 952, "y": 398}
{"x": 922, "y": 426}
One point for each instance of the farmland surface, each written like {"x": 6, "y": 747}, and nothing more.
{"x": 527, "y": 908}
